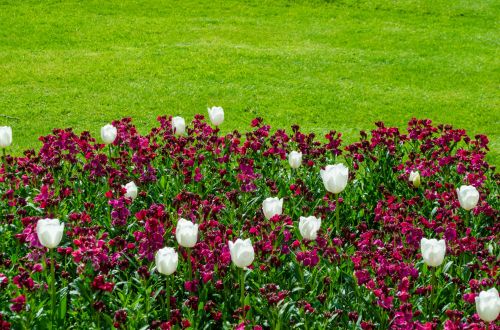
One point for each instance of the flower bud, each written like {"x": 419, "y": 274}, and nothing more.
{"x": 295, "y": 159}
{"x": 216, "y": 115}
{"x": 242, "y": 252}
{"x": 178, "y": 125}
{"x": 488, "y": 305}
{"x": 5, "y": 136}
{"x": 468, "y": 196}
{"x": 166, "y": 260}
{"x": 186, "y": 233}
{"x": 433, "y": 251}
{"x": 108, "y": 134}
{"x": 49, "y": 232}
{"x": 335, "y": 177}
{"x": 272, "y": 206}
{"x": 132, "y": 190}
{"x": 309, "y": 226}
{"x": 415, "y": 178}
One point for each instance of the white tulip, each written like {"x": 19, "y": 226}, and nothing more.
{"x": 433, "y": 251}
{"x": 108, "y": 134}
{"x": 49, "y": 232}
{"x": 166, "y": 260}
{"x": 488, "y": 305}
{"x": 309, "y": 226}
{"x": 335, "y": 177}
{"x": 178, "y": 125}
{"x": 216, "y": 115}
{"x": 415, "y": 178}
{"x": 272, "y": 206}
{"x": 132, "y": 190}
{"x": 5, "y": 136}
{"x": 295, "y": 159}
{"x": 186, "y": 233}
{"x": 468, "y": 196}
{"x": 242, "y": 253}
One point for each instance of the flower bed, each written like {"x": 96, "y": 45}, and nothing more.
{"x": 187, "y": 227}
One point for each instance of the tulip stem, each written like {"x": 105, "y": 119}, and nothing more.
{"x": 337, "y": 220}
{"x": 52, "y": 286}
{"x": 242, "y": 291}
{"x": 433, "y": 285}
{"x": 190, "y": 271}
{"x": 167, "y": 288}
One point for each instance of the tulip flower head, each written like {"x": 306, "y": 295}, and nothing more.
{"x": 414, "y": 178}
{"x": 468, "y": 196}
{"x": 186, "y": 233}
{"x": 242, "y": 252}
{"x": 272, "y": 206}
{"x": 5, "y": 136}
{"x": 216, "y": 115}
{"x": 178, "y": 125}
{"x": 49, "y": 232}
{"x": 166, "y": 260}
{"x": 335, "y": 178}
{"x": 132, "y": 190}
{"x": 488, "y": 305}
{"x": 309, "y": 226}
{"x": 295, "y": 159}
{"x": 433, "y": 251}
{"x": 108, "y": 134}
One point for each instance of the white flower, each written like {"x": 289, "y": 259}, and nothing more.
{"x": 335, "y": 177}
{"x": 272, "y": 206}
{"x": 468, "y": 196}
{"x": 166, "y": 260}
{"x": 242, "y": 253}
{"x": 108, "y": 134}
{"x": 415, "y": 178}
{"x": 295, "y": 159}
{"x": 488, "y": 305}
{"x": 178, "y": 125}
{"x": 186, "y": 233}
{"x": 433, "y": 251}
{"x": 49, "y": 232}
{"x": 132, "y": 190}
{"x": 216, "y": 115}
{"x": 5, "y": 136}
{"x": 309, "y": 226}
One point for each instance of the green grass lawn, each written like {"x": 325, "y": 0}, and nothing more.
{"x": 321, "y": 64}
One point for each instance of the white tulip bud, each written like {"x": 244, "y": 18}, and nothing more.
{"x": 108, "y": 134}
{"x": 335, "y": 177}
{"x": 178, "y": 125}
{"x": 295, "y": 159}
{"x": 468, "y": 196}
{"x": 166, "y": 260}
{"x": 132, "y": 190}
{"x": 272, "y": 206}
{"x": 49, "y": 232}
{"x": 242, "y": 253}
{"x": 488, "y": 305}
{"x": 186, "y": 233}
{"x": 415, "y": 178}
{"x": 309, "y": 226}
{"x": 5, "y": 136}
{"x": 433, "y": 251}
{"x": 216, "y": 115}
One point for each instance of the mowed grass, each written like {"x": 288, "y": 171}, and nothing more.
{"x": 339, "y": 65}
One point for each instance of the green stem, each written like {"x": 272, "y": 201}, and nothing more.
{"x": 337, "y": 217}
{"x": 52, "y": 286}
{"x": 242, "y": 291}
{"x": 433, "y": 285}
{"x": 190, "y": 270}
{"x": 167, "y": 288}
